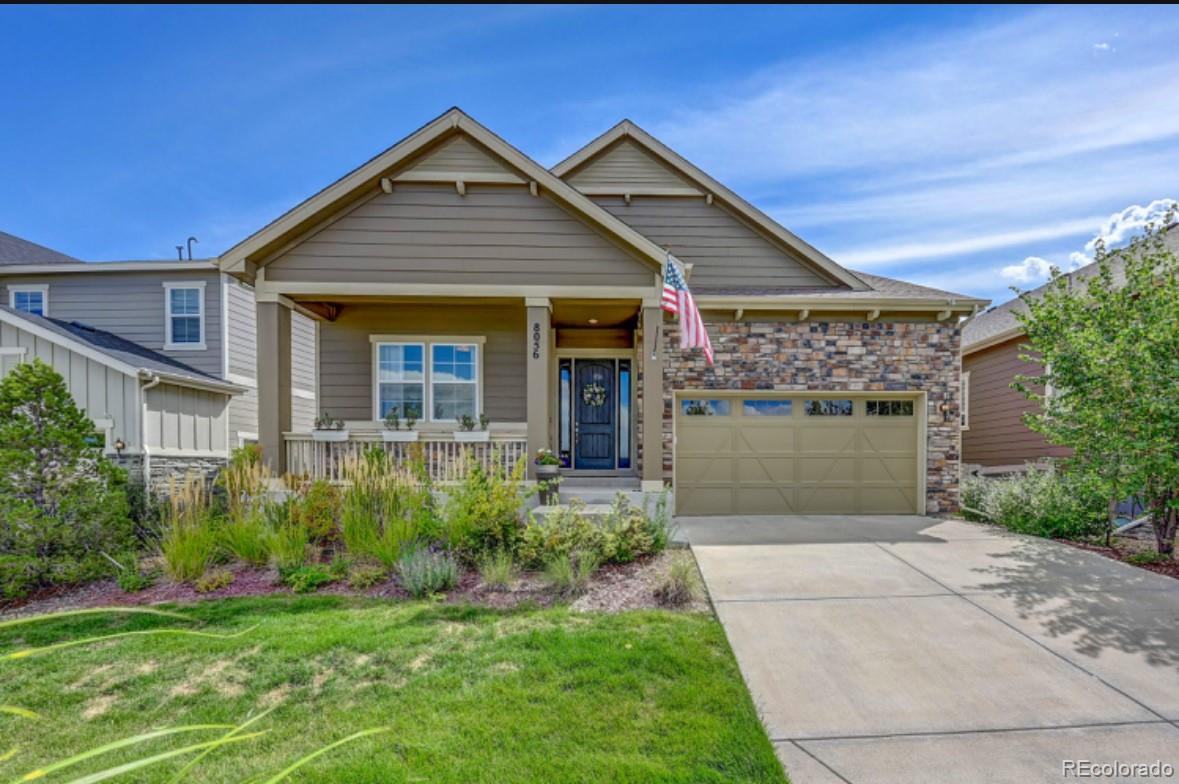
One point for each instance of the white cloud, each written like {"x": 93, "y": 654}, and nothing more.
{"x": 1130, "y": 222}
{"x": 1102, "y": 47}
{"x": 1031, "y": 269}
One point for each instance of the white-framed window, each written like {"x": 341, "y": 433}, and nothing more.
{"x": 964, "y": 406}
{"x": 430, "y": 379}
{"x": 184, "y": 316}
{"x": 30, "y": 299}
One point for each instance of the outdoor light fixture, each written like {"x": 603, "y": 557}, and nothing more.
{"x": 120, "y": 446}
{"x": 593, "y": 322}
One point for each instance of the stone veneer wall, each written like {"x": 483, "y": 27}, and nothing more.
{"x": 164, "y": 469}
{"x": 833, "y": 357}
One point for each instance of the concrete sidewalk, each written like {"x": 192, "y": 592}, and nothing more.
{"x": 906, "y": 649}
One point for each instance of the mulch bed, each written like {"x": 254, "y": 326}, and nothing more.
{"x": 614, "y": 588}
{"x": 1129, "y": 547}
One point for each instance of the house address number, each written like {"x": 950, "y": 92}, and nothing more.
{"x": 536, "y": 340}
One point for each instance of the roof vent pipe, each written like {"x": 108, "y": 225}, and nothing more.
{"x": 189, "y": 243}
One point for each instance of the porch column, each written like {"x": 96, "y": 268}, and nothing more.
{"x": 540, "y": 364}
{"x": 274, "y": 381}
{"x": 652, "y": 432}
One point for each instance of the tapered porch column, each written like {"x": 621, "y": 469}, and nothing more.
{"x": 539, "y": 362}
{"x": 274, "y": 381}
{"x": 652, "y": 361}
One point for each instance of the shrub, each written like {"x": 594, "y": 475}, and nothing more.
{"x": 659, "y": 522}
{"x": 131, "y": 578}
{"x": 189, "y": 540}
{"x": 63, "y": 501}
{"x": 316, "y": 508}
{"x": 627, "y": 533}
{"x": 561, "y": 532}
{"x": 366, "y": 576}
{"x": 1147, "y": 558}
{"x": 307, "y": 579}
{"x": 1045, "y": 503}
{"x": 213, "y": 581}
{"x": 424, "y": 571}
{"x": 482, "y": 513}
{"x": 680, "y": 584}
{"x": 497, "y": 570}
{"x": 287, "y": 539}
{"x": 569, "y": 574}
{"x": 340, "y": 566}
{"x": 246, "y": 538}
{"x": 386, "y": 508}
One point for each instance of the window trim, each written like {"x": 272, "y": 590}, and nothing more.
{"x": 427, "y": 342}
{"x": 964, "y": 403}
{"x": 169, "y": 285}
{"x": 26, "y": 288}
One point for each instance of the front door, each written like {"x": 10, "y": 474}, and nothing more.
{"x": 594, "y": 406}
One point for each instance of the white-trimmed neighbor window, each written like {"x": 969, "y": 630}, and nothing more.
{"x": 30, "y": 299}
{"x": 964, "y": 407}
{"x": 428, "y": 379}
{"x": 184, "y": 316}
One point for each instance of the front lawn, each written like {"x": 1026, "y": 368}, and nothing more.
{"x": 470, "y": 694}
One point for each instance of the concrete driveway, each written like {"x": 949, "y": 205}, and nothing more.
{"x": 908, "y": 650}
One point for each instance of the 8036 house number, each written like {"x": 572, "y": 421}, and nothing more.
{"x": 536, "y": 340}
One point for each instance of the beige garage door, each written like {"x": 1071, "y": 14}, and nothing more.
{"x": 796, "y": 455}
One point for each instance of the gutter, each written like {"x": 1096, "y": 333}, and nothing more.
{"x": 152, "y": 382}
{"x": 208, "y": 385}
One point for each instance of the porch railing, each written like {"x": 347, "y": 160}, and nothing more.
{"x": 446, "y": 459}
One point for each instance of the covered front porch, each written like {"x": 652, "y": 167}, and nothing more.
{"x": 543, "y": 372}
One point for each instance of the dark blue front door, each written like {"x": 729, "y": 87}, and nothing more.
{"x": 594, "y": 405}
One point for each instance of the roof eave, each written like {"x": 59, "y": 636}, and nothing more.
{"x": 804, "y": 301}
{"x": 993, "y": 340}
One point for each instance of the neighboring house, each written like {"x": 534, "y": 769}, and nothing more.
{"x": 994, "y": 436}
{"x": 184, "y": 322}
{"x": 451, "y": 275}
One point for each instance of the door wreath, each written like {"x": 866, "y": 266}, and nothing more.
{"x": 593, "y": 394}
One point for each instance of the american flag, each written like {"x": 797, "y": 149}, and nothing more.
{"x": 677, "y": 299}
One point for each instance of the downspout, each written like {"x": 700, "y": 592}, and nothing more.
{"x": 153, "y": 380}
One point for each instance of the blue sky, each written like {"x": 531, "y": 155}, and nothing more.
{"x": 965, "y": 148}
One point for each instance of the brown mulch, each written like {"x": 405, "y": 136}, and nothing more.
{"x": 614, "y": 588}
{"x": 1123, "y": 548}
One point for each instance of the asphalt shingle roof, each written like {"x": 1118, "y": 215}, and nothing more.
{"x": 14, "y": 250}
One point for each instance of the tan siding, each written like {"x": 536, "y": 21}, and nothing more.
{"x": 724, "y": 251}
{"x": 346, "y": 386}
{"x": 459, "y": 154}
{"x": 626, "y": 165}
{"x": 243, "y": 343}
{"x": 431, "y": 234}
{"x": 997, "y": 434}
{"x": 191, "y": 420}
{"x": 303, "y": 410}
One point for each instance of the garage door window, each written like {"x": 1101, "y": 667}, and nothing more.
{"x": 704, "y": 407}
{"x": 828, "y": 408}
{"x": 766, "y": 407}
{"x": 890, "y": 408}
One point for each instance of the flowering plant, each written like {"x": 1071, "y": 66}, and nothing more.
{"x": 546, "y": 457}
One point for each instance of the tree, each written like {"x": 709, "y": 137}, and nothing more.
{"x": 64, "y": 503}
{"x": 1109, "y": 349}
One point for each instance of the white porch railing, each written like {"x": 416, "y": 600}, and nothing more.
{"x": 446, "y": 458}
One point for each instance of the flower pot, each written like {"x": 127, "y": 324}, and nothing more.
{"x": 548, "y": 478}
{"x": 399, "y": 436}
{"x": 472, "y": 436}
{"x": 329, "y": 435}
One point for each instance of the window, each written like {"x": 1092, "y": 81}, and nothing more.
{"x": 890, "y": 408}
{"x": 565, "y": 414}
{"x": 30, "y": 299}
{"x": 767, "y": 407}
{"x": 704, "y": 407}
{"x": 624, "y": 413}
{"x": 454, "y": 381}
{"x": 184, "y": 305}
{"x": 427, "y": 379}
{"x": 964, "y": 407}
{"x": 828, "y": 408}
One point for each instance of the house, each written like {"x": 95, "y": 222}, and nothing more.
{"x": 160, "y": 354}
{"x": 452, "y": 276}
{"x": 995, "y": 439}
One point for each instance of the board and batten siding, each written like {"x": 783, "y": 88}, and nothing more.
{"x": 346, "y": 353}
{"x": 426, "y": 233}
{"x": 105, "y": 394}
{"x": 995, "y": 434}
{"x": 626, "y": 165}
{"x": 724, "y": 251}
{"x": 182, "y": 420}
{"x": 131, "y": 305}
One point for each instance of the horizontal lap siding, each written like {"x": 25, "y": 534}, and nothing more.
{"x": 431, "y": 234}
{"x": 997, "y": 434}
{"x": 346, "y": 381}
{"x": 626, "y": 165}
{"x": 303, "y": 409}
{"x": 459, "y": 155}
{"x": 724, "y": 251}
{"x": 131, "y": 305}
{"x": 243, "y": 340}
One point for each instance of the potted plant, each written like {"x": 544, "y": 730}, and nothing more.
{"x": 548, "y": 475}
{"x": 393, "y": 431}
{"x": 467, "y": 432}
{"x": 327, "y": 428}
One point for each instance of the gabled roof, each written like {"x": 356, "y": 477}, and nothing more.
{"x": 17, "y": 251}
{"x": 113, "y": 351}
{"x": 628, "y": 130}
{"x": 242, "y": 258}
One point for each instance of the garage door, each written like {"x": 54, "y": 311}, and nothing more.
{"x": 796, "y": 455}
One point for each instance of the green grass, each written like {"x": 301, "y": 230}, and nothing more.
{"x": 469, "y": 695}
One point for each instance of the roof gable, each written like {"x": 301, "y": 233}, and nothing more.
{"x": 625, "y": 165}
{"x": 607, "y": 147}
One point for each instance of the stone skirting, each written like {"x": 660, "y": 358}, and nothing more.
{"x": 165, "y": 469}
{"x": 834, "y": 357}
